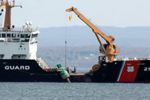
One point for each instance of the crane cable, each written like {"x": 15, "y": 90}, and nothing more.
{"x": 66, "y": 42}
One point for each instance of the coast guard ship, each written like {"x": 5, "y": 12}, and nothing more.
{"x": 19, "y": 61}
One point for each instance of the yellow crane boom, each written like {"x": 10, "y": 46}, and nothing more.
{"x": 110, "y": 50}
{"x": 90, "y": 24}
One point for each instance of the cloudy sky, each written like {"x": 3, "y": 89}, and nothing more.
{"x": 51, "y": 13}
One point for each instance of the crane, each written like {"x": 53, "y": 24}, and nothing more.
{"x": 108, "y": 49}
{"x": 7, "y": 6}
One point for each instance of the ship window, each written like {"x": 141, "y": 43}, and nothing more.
{"x": 1, "y": 56}
{"x": 3, "y": 35}
{"x": 18, "y": 56}
{"x": 18, "y": 35}
{"x": 34, "y": 35}
{"x": 22, "y": 35}
{"x": 8, "y": 35}
{"x": 13, "y": 35}
{"x": 27, "y": 36}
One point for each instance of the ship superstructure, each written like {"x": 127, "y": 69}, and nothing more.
{"x": 19, "y": 44}
{"x": 16, "y": 43}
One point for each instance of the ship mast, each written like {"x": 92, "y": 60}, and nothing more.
{"x": 7, "y": 6}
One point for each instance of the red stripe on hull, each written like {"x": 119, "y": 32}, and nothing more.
{"x": 130, "y": 71}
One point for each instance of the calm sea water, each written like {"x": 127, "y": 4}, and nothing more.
{"x": 74, "y": 91}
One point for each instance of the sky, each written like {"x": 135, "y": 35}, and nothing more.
{"x": 51, "y": 13}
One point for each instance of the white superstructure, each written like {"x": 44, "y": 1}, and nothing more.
{"x": 19, "y": 44}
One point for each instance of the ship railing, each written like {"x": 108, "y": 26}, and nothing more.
{"x": 16, "y": 37}
{"x": 19, "y": 30}
{"x": 134, "y": 58}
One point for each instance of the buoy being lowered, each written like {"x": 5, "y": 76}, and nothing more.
{"x": 63, "y": 72}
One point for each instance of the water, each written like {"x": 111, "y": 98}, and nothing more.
{"x": 74, "y": 91}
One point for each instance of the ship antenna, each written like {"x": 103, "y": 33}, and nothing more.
{"x": 65, "y": 53}
{"x": 66, "y": 32}
{"x": 4, "y": 4}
